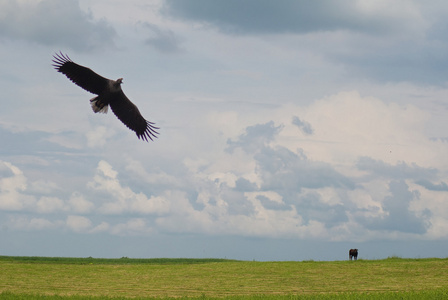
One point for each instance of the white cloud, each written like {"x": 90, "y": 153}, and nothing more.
{"x": 78, "y": 223}
{"x": 136, "y": 226}
{"x": 79, "y": 204}
{"x": 397, "y": 214}
{"x": 98, "y": 136}
{"x": 18, "y": 194}
{"x": 123, "y": 199}
{"x": 349, "y": 131}
{"x": 107, "y": 171}
{"x": 272, "y": 178}
{"x": 12, "y": 185}
{"x": 40, "y": 223}
{"x": 348, "y": 126}
{"x": 102, "y": 227}
{"x": 49, "y": 205}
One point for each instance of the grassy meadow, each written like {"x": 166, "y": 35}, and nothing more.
{"x": 90, "y": 278}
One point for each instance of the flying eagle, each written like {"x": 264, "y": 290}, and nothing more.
{"x": 109, "y": 93}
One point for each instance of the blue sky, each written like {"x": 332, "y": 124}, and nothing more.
{"x": 289, "y": 130}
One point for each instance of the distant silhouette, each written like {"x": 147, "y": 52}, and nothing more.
{"x": 353, "y": 253}
{"x": 109, "y": 93}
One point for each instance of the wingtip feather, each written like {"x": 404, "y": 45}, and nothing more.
{"x": 59, "y": 59}
{"x": 149, "y": 133}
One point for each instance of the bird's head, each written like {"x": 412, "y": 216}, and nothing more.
{"x": 117, "y": 83}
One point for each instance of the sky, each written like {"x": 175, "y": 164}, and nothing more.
{"x": 289, "y": 130}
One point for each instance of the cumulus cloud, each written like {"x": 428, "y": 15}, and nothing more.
{"x": 102, "y": 227}
{"x": 304, "y": 126}
{"x": 268, "y": 203}
{"x": 49, "y": 205}
{"x": 12, "y": 187}
{"x": 312, "y": 207}
{"x": 79, "y": 204}
{"x": 347, "y": 127}
{"x": 98, "y": 136}
{"x": 123, "y": 199}
{"x": 17, "y": 193}
{"x": 401, "y": 170}
{"x": 312, "y": 197}
{"x": 78, "y": 223}
{"x": 282, "y": 169}
{"x": 442, "y": 186}
{"x": 268, "y": 181}
{"x": 282, "y": 200}
{"x": 255, "y": 137}
{"x": 397, "y": 213}
{"x": 54, "y": 23}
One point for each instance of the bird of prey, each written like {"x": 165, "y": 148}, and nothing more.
{"x": 108, "y": 92}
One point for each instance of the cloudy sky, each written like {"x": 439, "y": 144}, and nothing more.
{"x": 289, "y": 130}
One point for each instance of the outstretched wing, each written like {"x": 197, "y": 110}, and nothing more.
{"x": 82, "y": 76}
{"x": 129, "y": 114}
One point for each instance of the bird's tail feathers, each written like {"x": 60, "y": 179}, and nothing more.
{"x": 98, "y": 105}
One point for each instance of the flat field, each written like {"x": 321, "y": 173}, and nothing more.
{"x": 81, "y": 278}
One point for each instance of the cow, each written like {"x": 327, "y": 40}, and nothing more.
{"x": 353, "y": 253}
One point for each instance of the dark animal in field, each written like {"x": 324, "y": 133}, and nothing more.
{"x": 353, "y": 253}
{"x": 108, "y": 92}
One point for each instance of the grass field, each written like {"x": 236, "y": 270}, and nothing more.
{"x": 89, "y": 278}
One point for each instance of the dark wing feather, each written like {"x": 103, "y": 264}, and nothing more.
{"x": 82, "y": 76}
{"x": 129, "y": 114}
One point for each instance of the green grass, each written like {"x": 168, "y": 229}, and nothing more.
{"x": 90, "y": 278}
{"x": 109, "y": 261}
{"x": 420, "y": 295}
